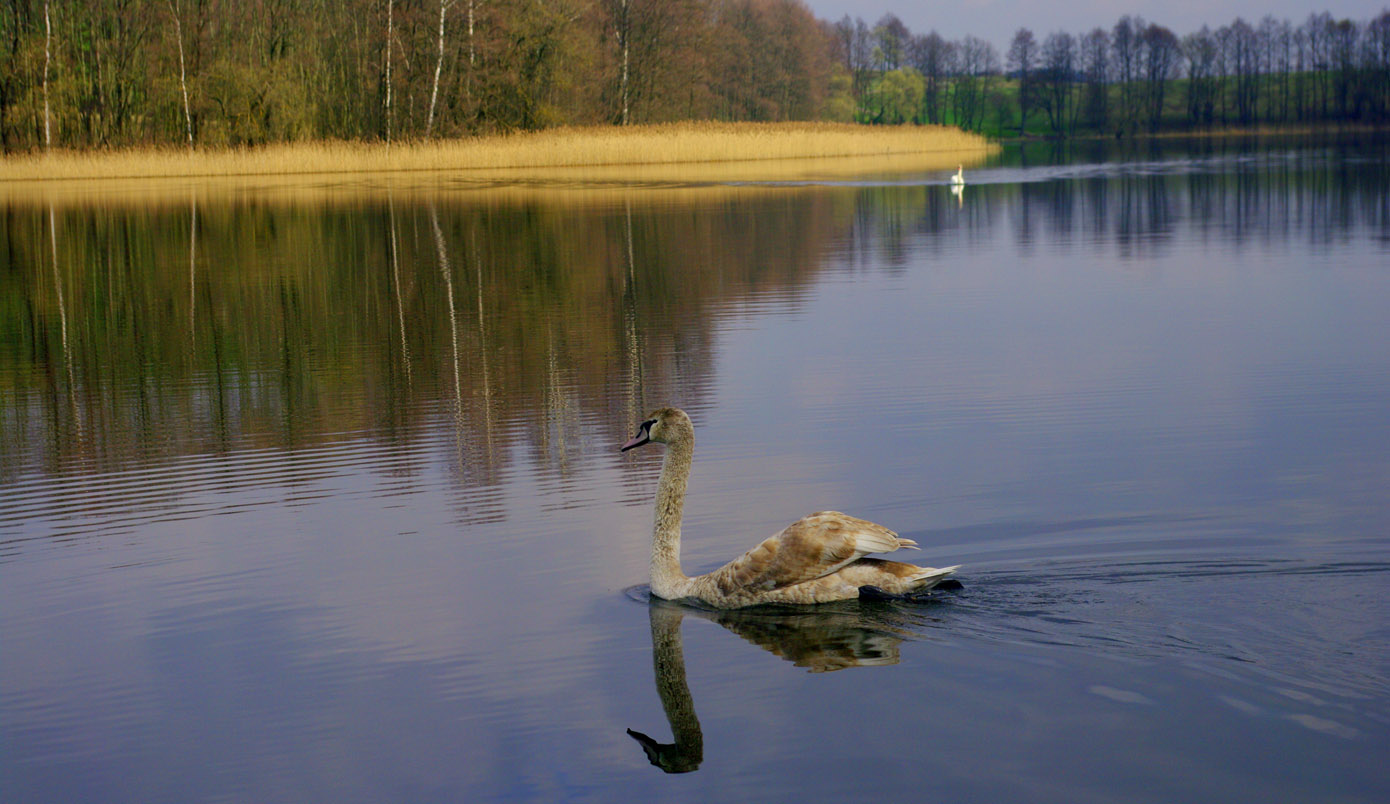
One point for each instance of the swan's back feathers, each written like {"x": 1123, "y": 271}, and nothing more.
{"x": 809, "y": 548}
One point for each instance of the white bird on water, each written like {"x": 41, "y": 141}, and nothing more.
{"x": 959, "y": 179}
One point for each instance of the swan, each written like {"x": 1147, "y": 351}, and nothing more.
{"x": 816, "y": 559}
{"x": 959, "y": 178}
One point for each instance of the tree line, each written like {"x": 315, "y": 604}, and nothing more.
{"x": 1135, "y": 76}
{"x": 110, "y": 73}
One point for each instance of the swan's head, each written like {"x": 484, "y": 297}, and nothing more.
{"x": 662, "y": 426}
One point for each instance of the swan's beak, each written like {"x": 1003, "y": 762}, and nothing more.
{"x": 644, "y": 435}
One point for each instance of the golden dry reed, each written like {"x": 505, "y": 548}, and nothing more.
{"x": 551, "y": 154}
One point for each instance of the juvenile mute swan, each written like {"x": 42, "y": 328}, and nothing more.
{"x": 817, "y": 559}
{"x": 959, "y": 178}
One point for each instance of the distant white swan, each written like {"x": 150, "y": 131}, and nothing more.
{"x": 959, "y": 178}
{"x": 817, "y": 559}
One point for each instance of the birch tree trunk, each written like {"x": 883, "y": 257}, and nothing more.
{"x": 47, "y": 57}
{"x": 472, "y": 53}
{"x": 438, "y": 66}
{"x": 183, "y": 74}
{"x": 624, "y": 34}
{"x": 390, "y": 37}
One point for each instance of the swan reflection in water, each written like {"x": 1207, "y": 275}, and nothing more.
{"x": 827, "y": 638}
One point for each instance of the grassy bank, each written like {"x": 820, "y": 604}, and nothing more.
{"x": 674, "y": 152}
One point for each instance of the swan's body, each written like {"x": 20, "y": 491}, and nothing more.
{"x": 817, "y": 559}
{"x": 959, "y": 178}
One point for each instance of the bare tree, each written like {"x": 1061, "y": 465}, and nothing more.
{"x": 1343, "y": 37}
{"x": 978, "y": 64}
{"x": 1300, "y": 67}
{"x": 390, "y": 39}
{"x": 1201, "y": 52}
{"x": 1023, "y": 56}
{"x": 1377, "y": 60}
{"x": 1267, "y": 45}
{"x": 855, "y": 46}
{"x": 621, "y": 11}
{"x": 1124, "y": 43}
{"x": 444, "y": 6}
{"x": 1317, "y": 29}
{"x": 183, "y": 73}
{"x": 47, "y": 57}
{"x": 657, "y": 56}
{"x": 473, "y": 6}
{"x": 1282, "y": 64}
{"x": 1160, "y": 65}
{"x": 1242, "y": 54}
{"x": 932, "y": 56}
{"x": 890, "y": 42}
{"x": 1058, "y": 69}
{"x": 1095, "y": 67}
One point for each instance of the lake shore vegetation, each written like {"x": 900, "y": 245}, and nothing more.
{"x": 115, "y": 74}
{"x": 676, "y": 152}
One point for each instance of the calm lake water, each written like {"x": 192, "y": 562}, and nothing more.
{"x": 317, "y": 496}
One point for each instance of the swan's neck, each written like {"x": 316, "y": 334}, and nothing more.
{"x": 668, "y": 659}
{"x": 667, "y": 579}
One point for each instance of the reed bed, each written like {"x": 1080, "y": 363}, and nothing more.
{"x": 703, "y": 151}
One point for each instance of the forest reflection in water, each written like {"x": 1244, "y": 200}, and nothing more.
{"x": 136, "y": 332}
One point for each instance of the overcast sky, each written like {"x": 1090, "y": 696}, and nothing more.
{"x": 997, "y": 20}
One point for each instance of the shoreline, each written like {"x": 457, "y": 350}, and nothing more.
{"x": 1261, "y": 130}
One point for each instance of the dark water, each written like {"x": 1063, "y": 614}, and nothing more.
{"x": 320, "y": 499}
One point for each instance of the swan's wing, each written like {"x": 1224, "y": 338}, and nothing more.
{"x": 809, "y": 548}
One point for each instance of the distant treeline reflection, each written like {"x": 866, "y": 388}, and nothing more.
{"x": 1140, "y": 198}
{"x": 131, "y": 332}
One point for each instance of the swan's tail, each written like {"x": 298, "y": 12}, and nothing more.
{"x": 931, "y": 576}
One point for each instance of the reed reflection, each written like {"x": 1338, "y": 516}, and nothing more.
{"x": 828, "y": 638}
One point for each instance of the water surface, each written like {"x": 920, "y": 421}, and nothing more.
{"x": 320, "y": 499}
